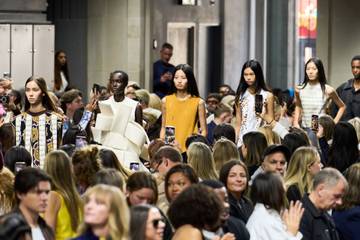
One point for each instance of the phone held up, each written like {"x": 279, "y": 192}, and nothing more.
{"x": 258, "y": 103}
{"x": 169, "y": 135}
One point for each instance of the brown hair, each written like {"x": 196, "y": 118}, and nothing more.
{"x": 86, "y": 164}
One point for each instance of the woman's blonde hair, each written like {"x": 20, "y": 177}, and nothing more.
{"x": 202, "y": 161}
{"x": 297, "y": 172}
{"x": 119, "y": 216}
{"x": 7, "y": 198}
{"x": 356, "y": 124}
{"x": 58, "y": 166}
{"x": 155, "y": 101}
{"x": 224, "y": 150}
{"x": 271, "y": 137}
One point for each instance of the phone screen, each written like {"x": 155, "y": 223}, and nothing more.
{"x": 314, "y": 123}
{"x": 258, "y": 103}
{"x": 19, "y": 166}
{"x": 134, "y": 166}
{"x": 169, "y": 134}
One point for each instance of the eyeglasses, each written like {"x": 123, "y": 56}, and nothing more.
{"x": 156, "y": 222}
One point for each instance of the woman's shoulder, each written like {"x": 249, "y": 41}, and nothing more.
{"x": 187, "y": 232}
{"x": 329, "y": 89}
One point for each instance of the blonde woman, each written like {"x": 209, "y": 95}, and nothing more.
{"x": 63, "y": 213}
{"x": 271, "y": 137}
{"x": 304, "y": 164}
{"x": 106, "y": 214}
{"x": 201, "y": 160}
{"x": 7, "y": 199}
{"x": 224, "y": 150}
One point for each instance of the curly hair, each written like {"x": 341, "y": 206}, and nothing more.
{"x": 86, "y": 164}
{"x": 192, "y": 207}
{"x": 6, "y": 190}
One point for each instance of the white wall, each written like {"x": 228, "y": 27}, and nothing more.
{"x": 338, "y": 37}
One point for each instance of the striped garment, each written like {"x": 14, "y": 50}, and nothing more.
{"x": 312, "y": 101}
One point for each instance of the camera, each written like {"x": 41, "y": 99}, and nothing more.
{"x": 4, "y": 99}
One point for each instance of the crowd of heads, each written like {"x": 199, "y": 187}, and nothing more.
{"x": 213, "y": 181}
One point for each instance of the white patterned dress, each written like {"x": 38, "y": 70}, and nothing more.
{"x": 249, "y": 120}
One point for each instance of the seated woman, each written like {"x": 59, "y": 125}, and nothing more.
{"x": 86, "y": 164}
{"x": 347, "y": 215}
{"x": 109, "y": 160}
{"x": 252, "y": 149}
{"x": 235, "y": 177}
{"x": 146, "y": 223}
{"x": 268, "y": 195}
{"x": 63, "y": 213}
{"x": 189, "y": 214}
{"x": 141, "y": 188}
{"x": 177, "y": 179}
{"x": 304, "y": 164}
{"x": 7, "y": 199}
{"x": 106, "y": 214}
{"x": 224, "y": 150}
{"x": 201, "y": 160}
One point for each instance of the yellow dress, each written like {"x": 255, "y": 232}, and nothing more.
{"x": 183, "y": 115}
{"x": 63, "y": 222}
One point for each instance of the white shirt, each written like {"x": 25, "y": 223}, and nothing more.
{"x": 266, "y": 224}
{"x": 37, "y": 234}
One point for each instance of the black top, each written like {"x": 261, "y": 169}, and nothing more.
{"x": 293, "y": 193}
{"x": 236, "y": 227}
{"x": 351, "y": 98}
{"x": 240, "y": 209}
{"x": 45, "y": 229}
{"x": 316, "y": 224}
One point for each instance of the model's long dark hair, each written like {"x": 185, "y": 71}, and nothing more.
{"x": 46, "y": 100}
{"x": 259, "y": 79}
{"x": 321, "y": 73}
{"x": 191, "y": 81}
{"x": 58, "y": 68}
{"x": 344, "y": 151}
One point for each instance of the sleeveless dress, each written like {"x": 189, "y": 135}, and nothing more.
{"x": 63, "y": 222}
{"x": 183, "y": 115}
{"x": 312, "y": 102}
{"x": 249, "y": 120}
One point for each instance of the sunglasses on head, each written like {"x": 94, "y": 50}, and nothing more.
{"x": 156, "y": 222}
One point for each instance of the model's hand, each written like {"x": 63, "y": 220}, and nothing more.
{"x": 292, "y": 217}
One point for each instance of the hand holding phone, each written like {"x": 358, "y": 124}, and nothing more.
{"x": 315, "y": 122}
{"x": 258, "y": 103}
{"x": 169, "y": 134}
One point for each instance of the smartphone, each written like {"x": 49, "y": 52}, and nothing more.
{"x": 169, "y": 134}
{"x": 96, "y": 88}
{"x": 258, "y": 103}
{"x": 134, "y": 166}
{"x": 19, "y": 166}
{"x": 315, "y": 122}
